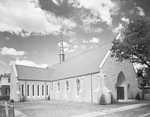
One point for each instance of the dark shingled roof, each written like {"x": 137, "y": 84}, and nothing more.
{"x": 34, "y": 73}
{"x": 85, "y": 63}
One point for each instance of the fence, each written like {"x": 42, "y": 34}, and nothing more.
{"x": 6, "y": 110}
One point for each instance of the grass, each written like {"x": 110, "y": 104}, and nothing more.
{"x": 61, "y": 108}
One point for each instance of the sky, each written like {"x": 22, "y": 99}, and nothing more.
{"x": 30, "y": 30}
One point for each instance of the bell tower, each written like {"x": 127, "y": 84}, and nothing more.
{"x": 61, "y": 54}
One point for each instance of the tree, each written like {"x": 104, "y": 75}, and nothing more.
{"x": 135, "y": 47}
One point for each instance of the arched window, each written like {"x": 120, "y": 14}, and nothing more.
{"x": 78, "y": 86}
{"x": 67, "y": 86}
{"x": 58, "y": 86}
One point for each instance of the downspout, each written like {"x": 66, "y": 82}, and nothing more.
{"x": 45, "y": 90}
{"x": 25, "y": 89}
{"x": 91, "y": 90}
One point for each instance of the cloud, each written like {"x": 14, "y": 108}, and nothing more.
{"x": 93, "y": 40}
{"x": 118, "y": 28}
{"x": 89, "y": 29}
{"x": 18, "y": 16}
{"x": 75, "y": 46}
{"x": 140, "y": 11}
{"x": 105, "y": 8}
{"x": 11, "y": 51}
{"x": 125, "y": 19}
{"x": 30, "y": 63}
{"x": 65, "y": 44}
{"x": 57, "y": 2}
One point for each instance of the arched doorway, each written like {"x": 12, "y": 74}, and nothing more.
{"x": 121, "y": 87}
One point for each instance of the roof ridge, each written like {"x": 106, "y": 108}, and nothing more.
{"x": 81, "y": 53}
{"x": 31, "y": 66}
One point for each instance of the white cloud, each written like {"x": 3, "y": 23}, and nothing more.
{"x": 125, "y": 19}
{"x": 118, "y": 28}
{"x": 65, "y": 44}
{"x": 30, "y": 63}
{"x": 89, "y": 29}
{"x": 105, "y": 8}
{"x": 94, "y": 40}
{"x": 85, "y": 41}
{"x": 140, "y": 11}
{"x": 18, "y": 15}
{"x": 75, "y": 46}
{"x": 11, "y": 51}
{"x": 57, "y": 2}
{"x": 138, "y": 66}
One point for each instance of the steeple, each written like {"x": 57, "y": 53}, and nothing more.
{"x": 61, "y": 54}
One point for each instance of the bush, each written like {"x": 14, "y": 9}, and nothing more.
{"x": 4, "y": 97}
{"x": 11, "y": 100}
{"x": 112, "y": 98}
{"x": 138, "y": 97}
{"x": 23, "y": 99}
{"x": 102, "y": 100}
{"x": 48, "y": 97}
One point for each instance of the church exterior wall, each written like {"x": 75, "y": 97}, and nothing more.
{"x": 87, "y": 93}
{"x": 27, "y": 87}
{"x": 112, "y": 68}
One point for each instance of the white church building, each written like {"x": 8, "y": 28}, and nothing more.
{"x": 83, "y": 78}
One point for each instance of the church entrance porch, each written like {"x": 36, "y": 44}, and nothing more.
{"x": 120, "y": 92}
{"x": 121, "y": 87}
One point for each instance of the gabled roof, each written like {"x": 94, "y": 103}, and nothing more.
{"x": 34, "y": 73}
{"x": 7, "y": 75}
{"x": 85, "y": 63}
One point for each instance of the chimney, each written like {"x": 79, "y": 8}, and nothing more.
{"x": 61, "y": 55}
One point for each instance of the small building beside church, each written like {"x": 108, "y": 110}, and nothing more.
{"x": 5, "y": 84}
{"x": 83, "y": 78}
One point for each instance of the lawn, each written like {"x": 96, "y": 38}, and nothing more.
{"x": 61, "y": 108}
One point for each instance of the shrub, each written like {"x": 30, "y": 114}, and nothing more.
{"x": 4, "y": 97}
{"x": 11, "y": 100}
{"x": 23, "y": 99}
{"x": 48, "y": 97}
{"x": 102, "y": 100}
{"x": 138, "y": 97}
{"x": 112, "y": 98}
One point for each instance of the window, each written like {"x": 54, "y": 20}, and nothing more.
{"x": 42, "y": 89}
{"x": 67, "y": 86}
{"x": 38, "y": 90}
{"x": 28, "y": 89}
{"x": 33, "y": 90}
{"x": 6, "y": 91}
{"x": 58, "y": 86}
{"x": 8, "y": 80}
{"x": 47, "y": 89}
{"x": 22, "y": 90}
{"x": 78, "y": 86}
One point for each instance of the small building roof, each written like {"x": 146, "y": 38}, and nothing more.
{"x": 34, "y": 73}
{"x": 85, "y": 63}
{"x": 7, "y": 75}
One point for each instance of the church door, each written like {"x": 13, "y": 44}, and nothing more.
{"x": 120, "y": 92}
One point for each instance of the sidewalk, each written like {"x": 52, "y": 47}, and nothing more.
{"x": 20, "y": 114}
{"x": 109, "y": 111}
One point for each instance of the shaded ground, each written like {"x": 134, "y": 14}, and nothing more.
{"x": 137, "y": 112}
{"x": 63, "y": 108}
